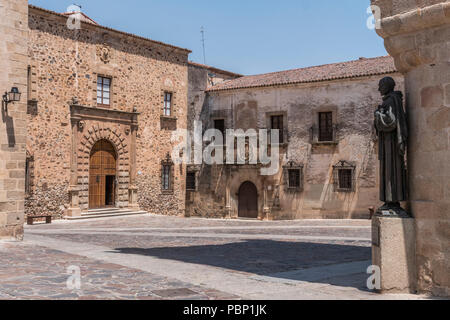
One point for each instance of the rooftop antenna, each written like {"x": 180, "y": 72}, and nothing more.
{"x": 202, "y": 31}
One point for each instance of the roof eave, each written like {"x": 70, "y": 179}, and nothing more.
{"x": 212, "y": 89}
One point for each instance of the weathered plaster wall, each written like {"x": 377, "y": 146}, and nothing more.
{"x": 65, "y": 64}
{"x": 13, "y": 66}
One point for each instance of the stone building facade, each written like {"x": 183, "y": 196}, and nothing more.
{"x": 102, "y": 108}
{"x": 13, "y": 66}
{"x": 331, "y": 174}
{"x": 417, "y": 35}
{"x": 200, "y": 78}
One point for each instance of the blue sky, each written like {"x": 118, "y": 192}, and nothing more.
{"x": 244, "y": 36}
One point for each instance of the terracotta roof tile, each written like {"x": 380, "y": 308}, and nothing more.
{"x": 343, "y": 70}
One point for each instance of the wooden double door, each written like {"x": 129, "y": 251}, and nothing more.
{"x": 248, "y": 201}
{"x": 102, "y": 175}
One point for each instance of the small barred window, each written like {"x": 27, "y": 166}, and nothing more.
{"x": 294, "y": 178}
{"x": 344, "y": 176}
{"x": 190, "y": 181}
{"x": 103, "y": 91}
{"x": 166, "y": 177}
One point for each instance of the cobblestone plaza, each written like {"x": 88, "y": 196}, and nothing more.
{"x": 155, "y": 257}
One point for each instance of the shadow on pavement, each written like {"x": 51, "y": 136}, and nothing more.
{"x": 276, "y": 259}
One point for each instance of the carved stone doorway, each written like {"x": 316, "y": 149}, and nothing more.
{"x": 102, "y": 175}
{"x": 248, "y": 201}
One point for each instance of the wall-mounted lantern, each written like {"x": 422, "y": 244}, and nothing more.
{"x": 12, "y": 96}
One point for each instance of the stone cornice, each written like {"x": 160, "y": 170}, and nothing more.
{"x": 79, "y": 112}
{"x": 416, "y": 37}
{"x": 415, "y": 20}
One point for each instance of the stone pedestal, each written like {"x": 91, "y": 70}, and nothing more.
{"x": 393, "y": 250}
{"x": 74, "y": 210}
{"x": 417, "y": 35}
{"x": 133, "y": 198}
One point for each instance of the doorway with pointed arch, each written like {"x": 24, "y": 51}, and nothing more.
{"x": 102, "y": 175}
{"x": 248, "y": 201}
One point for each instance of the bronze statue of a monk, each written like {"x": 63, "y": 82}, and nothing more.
{"x": 392, "y": 131}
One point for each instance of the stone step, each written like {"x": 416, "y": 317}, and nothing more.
{"x": 95, "y": 213}
{"x": 107, "y": 214}
{"x": 104, "y": 210}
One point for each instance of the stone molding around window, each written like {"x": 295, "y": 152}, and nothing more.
{"x": 291, "y": 165}
{"x": 339, "y": 185}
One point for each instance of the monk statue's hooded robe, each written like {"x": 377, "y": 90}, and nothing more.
{"x": 391, "y": 126}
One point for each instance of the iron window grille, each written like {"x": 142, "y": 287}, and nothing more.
{"x": 168, "y": 97}
{"x": 293, "y": 177}
{"x": 344, "y": 179}
{"x": 330, "y": 137}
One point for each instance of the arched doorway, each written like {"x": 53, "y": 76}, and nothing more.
{"x": 102, "y": 175}
{"x": 248, "y": 201}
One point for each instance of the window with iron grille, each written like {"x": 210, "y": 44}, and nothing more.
{"x": 103, "y": 91}
{"x": 29, "y": 168}
{"x": 166, "y": 170}
{"x": 344, "y": 176}
{"x": 276, "y": 123}
{"x": 325, "y": 126}
{"x": 294, "y": 178}
{"x": 190, "y": 181}
{"x": 168, "y": 104}
{"x": 29, "y": 83}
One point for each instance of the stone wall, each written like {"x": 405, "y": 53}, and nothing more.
{"x": 419, "y": 41}
{"x": 13, "y": 66}
{"x": 200, "y": 77}
{"x": 65, "y": 64}
{"x": 352, "y": 101}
